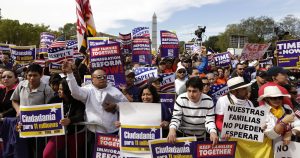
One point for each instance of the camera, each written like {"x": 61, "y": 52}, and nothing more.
{"x": 199, "y": 31}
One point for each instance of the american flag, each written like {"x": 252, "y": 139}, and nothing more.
{"x": 40, "y": 62}
{"x": 297, "y": 113}
{"x": 216, "y": 91}
{"x": 142, "y": 74}
{"x": 71, "y": 44}
{"x": 59, "y": 42}
{"x": 168, "y": 82}
{"x": 141, "y": 32}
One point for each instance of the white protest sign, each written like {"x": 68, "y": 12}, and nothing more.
{"x": 244, "y": 122}
{"x": 287, "y": 151}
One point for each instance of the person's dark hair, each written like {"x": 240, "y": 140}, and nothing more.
{"x": 100, "y": 68}
{"x": 190, "y": 70}
{"x": 204, "y": 78}
{"x": 15, "y": 74}
{"x": 55, "y": 78}
{"x": 152, "y": 89}
{"x": 35, "y": 68}
{"x": 221, "y": 69}
{"x": 65, "y": 87}
{"x": 194, "y": 82}
{"x": 239, "y": 64}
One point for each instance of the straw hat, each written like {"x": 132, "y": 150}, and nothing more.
{"x": 237, "y": 83}
{"x": 272, "y": 91}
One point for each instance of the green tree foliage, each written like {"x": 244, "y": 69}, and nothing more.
{"x": 68, "y": 30}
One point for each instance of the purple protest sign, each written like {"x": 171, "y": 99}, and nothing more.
{"x": 169, "y": 44}
{"x": 188, "y": 47}
{"x": 41, "y": 120}
{"x": 167, "y": 101}
{"x": 225, "y": 149}
{"x": 23, "y": 54}
{"x": 141, "y": 32}
{"x": 222, "y": 59}
{"x": 288, "y": 54}
{"x": 135, "y": 138}
{"x": 126, "y": 43}
{"x": 265, "y": 62}
{"x": 167, "y": 83}
{"x": 107, "y": 145}
{"x": 183, "y": 147}
{"x": 141, "y": 50}
{"x": 4, "y": 47}
{"x": 46, "y": 38}
{"x": 108, "y": 57}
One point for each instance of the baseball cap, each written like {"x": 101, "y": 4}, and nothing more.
{"x": 275, "y": 70}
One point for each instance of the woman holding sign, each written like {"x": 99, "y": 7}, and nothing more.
{"x": 74, "y": 112}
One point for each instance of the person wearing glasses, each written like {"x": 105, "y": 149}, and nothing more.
{"x": 180, "y": 80}
{"x": 97, "y": 111}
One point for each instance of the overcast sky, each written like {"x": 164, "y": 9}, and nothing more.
{"x": 182, "y": 16}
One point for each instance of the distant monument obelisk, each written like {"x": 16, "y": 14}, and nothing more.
{"x": 154, "y": 32}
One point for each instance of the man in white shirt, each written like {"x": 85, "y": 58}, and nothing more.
{"x": 98, "y": 111}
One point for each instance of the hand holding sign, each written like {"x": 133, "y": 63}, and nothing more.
{"x": 67, "y": 67}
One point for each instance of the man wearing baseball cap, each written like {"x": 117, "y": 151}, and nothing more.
{"x": 260, "y": 79}
{"x": 276, "y": 76}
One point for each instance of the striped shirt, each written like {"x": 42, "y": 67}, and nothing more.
{"x": 194, "y": 115}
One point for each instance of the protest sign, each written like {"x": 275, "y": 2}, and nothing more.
{"x": 167, "y": 101}
{"x": 254, "y": 51}
{"x": 216, "y": 91}
{"x": 141, "y": 50}
{"x": 108, "y": 57}
{"x": 263, "y": 63}
{"x": 188, "y": 47}
{"x": 167, "y": 83}
{"x": 87, "y": 79}
{"x": 107, "y": 145}
{"x": 224, "y": 149}
{"x": 138, "y": 125}
{"x": 55, "y": 68}
{"x": 287, "y": 151}
{"x": 244, "y": 122}
{"x": 288, "y": 54}
{"x": 222, "y": 59}
{"x": 41, "y": 120}
{"x": 4, "y": 47}
{"x": 142, "y": 74}
{"x": 169, "y": 44}
{"x": 46, "y": 39}
{"x": 140, "y": 32}
{"x": 57, "y": 55}
{"x": 23, "y": 55}
{"x": 183, "y": 147}
{"x": 126, "y": 43}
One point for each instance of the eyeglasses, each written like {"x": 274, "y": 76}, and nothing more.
{"x": 241, "y": 69}
{"x": 99, "y": 77}
{"x": 3, "y": 77}
{"x": 294, "y": 92}
{"x": 206, "y": 84}
{"x": 181, "y": 71}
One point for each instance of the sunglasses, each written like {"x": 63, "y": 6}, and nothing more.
{"x": 206, "y": 84}
{"x": 103, "y": 77}
{"x": 241, "y": 69}
{"x": 276, "y": 98}
{"x": 294, "y": 92}
{"x": 181, "y": 71}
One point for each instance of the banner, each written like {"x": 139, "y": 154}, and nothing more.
{"x": 168, "y": 82}
{"x": 222, "y": 59}
{"x": 188, "y": 47}
{"x": 41, "y": 120}
{"x": 216, "y": 91}
{"x": 106, "y": 146}
{"x": 224, "y": 149}
{"x": 244, "y": 122}
{"x": 183, "y": 147}
{"x": 126, "y": 43}
{"x": 254, "y": 51}
{"x": 72, "y": 44}
{"x": 55, "y": 68}
{"x": 23, "y": 55}
{"x": 141, "y": 32}
{"x": 167, "y": 101}
{"x": 141, "y": 50}
{"x": 287, "y": 151}
{"x": 108, "y": 57}
{"x": 288, "y": 54}
{"x": 263, "y": 63}
{"x": 169, "y": 44}
{"x": 87, "y": 79}
{"x": 138, "y": 125}
{"x": 59, "y": 54}
{"x": 142, "y": 74}
{"x": 4, "y": 47}
{"x": 46, "y": 40}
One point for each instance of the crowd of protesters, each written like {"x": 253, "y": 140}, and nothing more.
{"x": 249, "y": 84}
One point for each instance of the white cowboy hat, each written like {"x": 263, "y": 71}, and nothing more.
{"x": 272, "y": 91}
{"x": 237, "y": 83}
